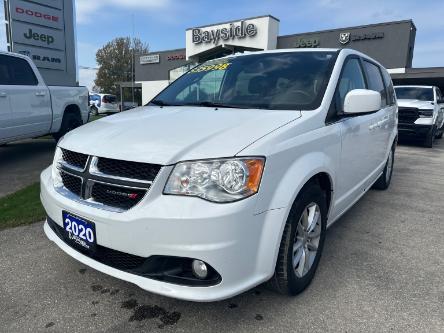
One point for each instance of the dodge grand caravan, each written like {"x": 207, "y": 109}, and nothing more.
{"x": 229, "y": 177}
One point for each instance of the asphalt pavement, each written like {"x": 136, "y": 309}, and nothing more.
{"x": 382, "y": 271}
{"x": 22, "y": 162}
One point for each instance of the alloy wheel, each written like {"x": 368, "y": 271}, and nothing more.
{"x": 307, "y": 237}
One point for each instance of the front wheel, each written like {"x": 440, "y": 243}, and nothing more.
{"x": 94, "y": 111}
{"x": 385, "y": 179}
{"x": 428, "y": 142}
{"x": 70, "y": 121}
{"x": 302, "y": 242}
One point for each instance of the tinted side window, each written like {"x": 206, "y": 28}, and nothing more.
{"x": 375, "y": 81}
{"x": 17, "y": 72}
{"x": 391, "y": 96}
{"x": 351, "y": 78}
{"x": 4, "y": 72}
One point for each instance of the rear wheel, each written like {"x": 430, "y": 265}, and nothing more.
{"x": 385, "y": 179}
{"x": 302, "y": 242}
{"x": 70, "y": 121}
{"x": 94, "y": 111}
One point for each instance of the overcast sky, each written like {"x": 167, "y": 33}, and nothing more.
{"x": 162, "y": 23}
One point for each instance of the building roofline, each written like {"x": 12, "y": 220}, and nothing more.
{"x": 353, "y": 27}
{"x": 231, "y": 21}
{"x": 164, "y": 51}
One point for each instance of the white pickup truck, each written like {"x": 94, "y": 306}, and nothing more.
{"x": 29, "y": 108}
{"x": 421, "y": 113}
{"x": 229, "y": 177}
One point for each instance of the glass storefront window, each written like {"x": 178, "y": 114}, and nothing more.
{"x": 175, "y": 73}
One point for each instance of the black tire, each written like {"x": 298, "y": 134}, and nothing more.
{"x": 70, "y": 121}
{"x": 428, "y": 142}
{"x": 440, "y": 133}
{"x": 285, "y": 280}
{"x": 385, "y": 179}
{"x": 94, "y": 111}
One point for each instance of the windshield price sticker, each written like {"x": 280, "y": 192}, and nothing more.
{"x": 207, "y": 68}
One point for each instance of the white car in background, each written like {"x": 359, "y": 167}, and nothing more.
{"x": 421, "y": 113}
{"x": 229, "y": 177}
{"x": 103, "y": 104}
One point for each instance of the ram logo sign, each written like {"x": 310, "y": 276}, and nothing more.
{"x": 344, "y": 37}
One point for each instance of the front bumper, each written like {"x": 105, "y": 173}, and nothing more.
{"x": 414, "y": 130}
{"x": 241, "y": 246}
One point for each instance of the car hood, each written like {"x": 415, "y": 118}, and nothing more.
{"x": 167, "y": 135}
{"x": 415, "y": 103}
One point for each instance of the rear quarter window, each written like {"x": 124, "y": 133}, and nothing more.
{"x": 109, "y": 99}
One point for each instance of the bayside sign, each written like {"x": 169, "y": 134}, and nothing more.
{"x": 233, "y": 31}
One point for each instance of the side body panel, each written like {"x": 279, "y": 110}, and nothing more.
{"x": 62, "y": 97}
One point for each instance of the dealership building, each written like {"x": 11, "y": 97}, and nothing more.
{"x": 391, "y": 43}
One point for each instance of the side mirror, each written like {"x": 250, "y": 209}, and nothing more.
{"x": 362, "y": 101}
{"x": 440, "y": 101}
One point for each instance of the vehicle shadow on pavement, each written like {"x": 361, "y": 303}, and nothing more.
{"x": 22, "y": 162}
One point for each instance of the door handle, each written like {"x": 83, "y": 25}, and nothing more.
{"x": 2, "y": 94}
{"x": 40, "y": 93}
{"x": 373, "y": 126}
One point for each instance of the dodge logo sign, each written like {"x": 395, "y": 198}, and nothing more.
{"x": 344, "y": 37}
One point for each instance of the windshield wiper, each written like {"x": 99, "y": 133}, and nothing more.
{"x": 216, "y": 105}
{"x": 159, "y": 102}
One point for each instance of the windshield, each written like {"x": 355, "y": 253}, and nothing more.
{"x": 277, "y": 81}
{"x": 422, "y": 94}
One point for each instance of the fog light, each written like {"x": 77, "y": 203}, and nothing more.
{"x": 200, "y": 269}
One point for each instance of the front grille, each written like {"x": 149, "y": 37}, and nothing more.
{"x": 71, "y": 183}
{"x": 106, "y": 183}
{"x": 407, "y": 115}
{"x": 77, "y": 160}
{"x": 127, "y": 169}
{"x": 116, "y": 196}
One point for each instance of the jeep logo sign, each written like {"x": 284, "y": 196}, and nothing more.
{"x": 307, "y": 42}
{"x": 28, "y": 34}
{"x": 48, "y": 39}
{"x": 233, "y": 31}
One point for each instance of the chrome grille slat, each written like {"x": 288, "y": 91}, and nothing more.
{"x": 115, "y": 192}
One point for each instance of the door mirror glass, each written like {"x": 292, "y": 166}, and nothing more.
{"x": 362, "y": 101}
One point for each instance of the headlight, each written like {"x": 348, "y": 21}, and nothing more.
{"x": 222, "y": 180}
{"x": 56, "y": 177}
{"x": 427, "y": 113}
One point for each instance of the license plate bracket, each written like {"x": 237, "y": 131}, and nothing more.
{"x": 79, "y": 232}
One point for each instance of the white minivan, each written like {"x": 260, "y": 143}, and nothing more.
{"x": 103, "y": 104}
{"x": 229, "y": 177}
